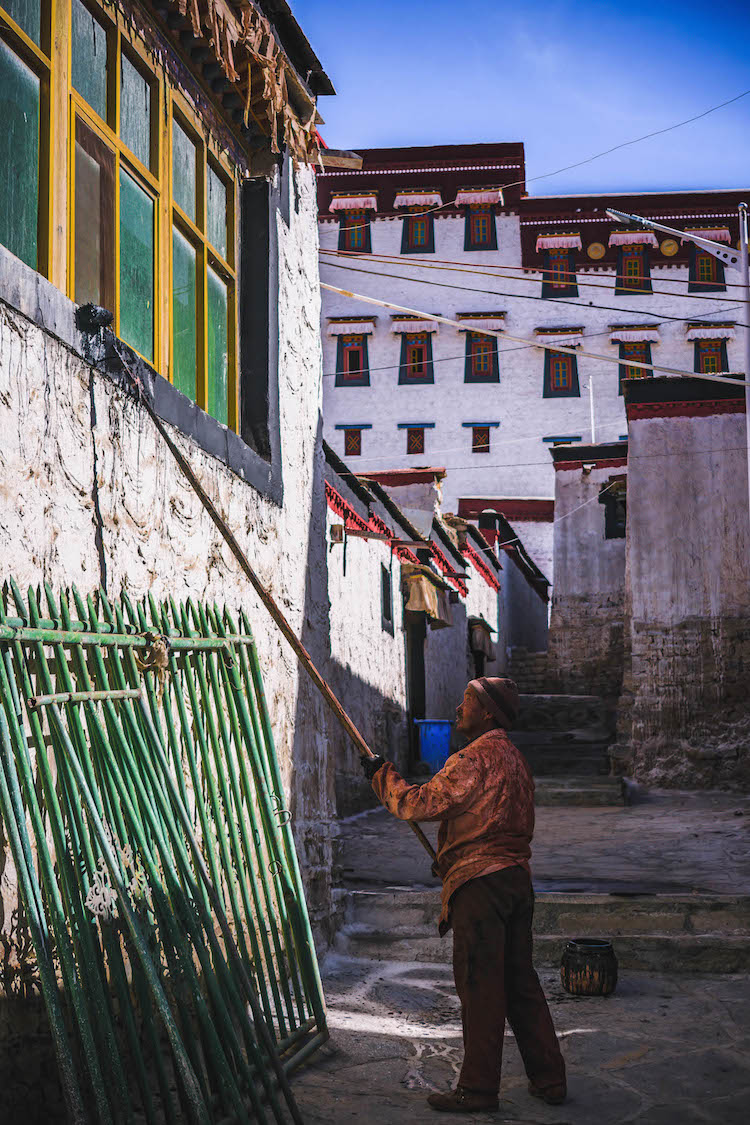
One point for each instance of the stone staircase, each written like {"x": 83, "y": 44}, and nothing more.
{"x": 696, "y": 933}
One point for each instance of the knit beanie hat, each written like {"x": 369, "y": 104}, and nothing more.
{"x": 499, "y": 697}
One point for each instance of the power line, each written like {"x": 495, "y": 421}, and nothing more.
{"x": 590, "y": 159}
{"x": 449, "y": 266}
{"x": 499, "y": 293}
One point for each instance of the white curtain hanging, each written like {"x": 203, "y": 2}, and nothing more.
{"x": 558, "y": 242}
{"x": 633, "y": 238}
{"x": 354, "y": 203}
{"x": 710, "y": 332}
{"x": 716, "y": 234}
{"x": 467, "y": 196}
{"x": 492, "y": 323}
{"x": 418, "y": 199}
{"x": 351, "y": 328}
{"x": 415, "y": 326}
{"x": 635, "y": 336}
{"x": 545, "y": 340}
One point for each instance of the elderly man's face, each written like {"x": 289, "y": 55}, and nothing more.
{"x": 471, "y": 717}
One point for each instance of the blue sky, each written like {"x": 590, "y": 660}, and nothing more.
{"x": 568, "y": 79}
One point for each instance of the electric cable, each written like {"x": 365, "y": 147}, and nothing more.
{"x": 498, "y": 293}
{"x": 590, "y": 159}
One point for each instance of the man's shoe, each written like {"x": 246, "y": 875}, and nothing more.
{"x": 552, "y": 1095}
{"x": 463, "y": 1101}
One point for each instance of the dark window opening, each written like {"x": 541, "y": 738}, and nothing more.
{"x": 354, "y": 231}
{"x": 386, "y": 598}
{"x": 352, "y": 369}
{"x": 633, "y": 270}
{"x": 94, "y": 219}
{"x": 706, "y": 272}
{"x": 418, "y": 234}
{"x": 614, "y": 498}
{"x": 710, "y": 356}
{"x": 559, "y": 276}
{"x": 353, "y": 443}
{"x": 639, "y": 351}
{"x": 415, "y": 439}
{"x": 560, "y": 375}
{"x": 481, "y": 359}
{"x": 416, "y": 358}
{"x": 480, "y": 439}
{"x": 480, "y": 232}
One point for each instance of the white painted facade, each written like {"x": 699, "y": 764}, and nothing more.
{"x": 518, "y": 464}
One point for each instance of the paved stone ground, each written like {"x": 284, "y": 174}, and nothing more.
{"x": 667, "y": 842}
{"x": 662, "y": 1050}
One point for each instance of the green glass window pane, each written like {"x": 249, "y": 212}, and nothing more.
{"x": 89, "y": 75}
{"x": 183, "y": 315}
{"x": 135, "y": 111}
{"x": 19, "y": 157}
{"x": 217, "y": 370}
{"x": 28, "y": 16}
{"x": 217, "y": 212}
{"x": 136, "y": 266}
{"x": 183, "y": 170}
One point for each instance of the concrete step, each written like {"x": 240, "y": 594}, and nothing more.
{"x": 680, "y": 933}
{"x": 589, "y": 791}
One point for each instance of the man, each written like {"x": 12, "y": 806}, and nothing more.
{"x": 484, "y": 800}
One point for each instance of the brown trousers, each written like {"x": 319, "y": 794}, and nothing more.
{"x": 495, "y": 980}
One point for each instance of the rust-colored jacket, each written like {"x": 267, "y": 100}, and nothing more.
{"x": 484, "y": 798}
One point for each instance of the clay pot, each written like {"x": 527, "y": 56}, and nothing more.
{"x": 588, "y": 967}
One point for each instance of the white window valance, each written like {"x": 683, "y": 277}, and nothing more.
{"x": 491, "y": 323}
{"x": 710, "y": 332}
{"x": 635, "y": 336}
{"x": 559, "y": 340}
{"x": 351, "y": 328}
{"x": 418, "y": 199}
{"x": 558, "y": 242}
{"x": 633, "y": 238}
{"x": 410, "y": 326}
{"x": 467, "y": 196}
{"x": 715, "y": 234}
{"x": 354, "y": 203}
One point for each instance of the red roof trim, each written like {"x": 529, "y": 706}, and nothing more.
{"x": 473, "y": 555}
{"x": 542, "y": 511}
{"x": 352, "y": 519}
{"x": 394, "y": 477}
{"x": 447, "y": 569}
{"x": 698, "y": 409}
{"x": 602, "y": 463}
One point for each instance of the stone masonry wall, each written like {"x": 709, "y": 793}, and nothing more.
{"x": 685, "y": 709}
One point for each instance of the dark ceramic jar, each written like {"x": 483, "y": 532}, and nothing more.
{"x": 589, "y": 967}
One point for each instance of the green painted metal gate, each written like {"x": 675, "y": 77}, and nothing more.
{"x": 141, "y": 796}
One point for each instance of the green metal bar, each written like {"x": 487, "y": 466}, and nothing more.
{"x": 15, "y": 824}
{"x": 28, "y": 635}
{"x": 127, "y": 635}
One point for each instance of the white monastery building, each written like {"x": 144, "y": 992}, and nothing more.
{"x": 449, "y": 230}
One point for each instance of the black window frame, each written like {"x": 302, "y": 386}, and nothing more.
{"x": 551, "y": 392}
{"x": 469, "y": 244}
{"x": 699, "y": 345}
{"x": 614, "y": 500}
{"x": 404, "y": 376}
{"x": 342, "y": 378}
{"x": 697, "y": 286}
{"x": 414, "y": 452}
{"x": 475, "y": 445}
{"x": 549, "y": 289}
{"x": 493, "y": 375}
{"x": 386, "y": 600}
{"x": 623, "y": 368}
{"x": 645, "y": 287}
{"x": 366, "y": 247}
{"x": 407, "y": 246}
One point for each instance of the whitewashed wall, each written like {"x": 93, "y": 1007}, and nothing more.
{"x": 155, "y": 535}
{"x": 518, "y": 464}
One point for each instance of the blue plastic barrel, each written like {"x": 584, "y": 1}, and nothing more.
{"x": 434, "y": 741}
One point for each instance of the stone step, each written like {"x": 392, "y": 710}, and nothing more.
{"x": 555, "y": 763}
{"x": 591, "y": 791}
{"x": 680, "y": 933}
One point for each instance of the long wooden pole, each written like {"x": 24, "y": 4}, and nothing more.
{"x": 296, "y": 644}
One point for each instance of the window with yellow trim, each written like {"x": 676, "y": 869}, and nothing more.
{"x": 113, "y": 206}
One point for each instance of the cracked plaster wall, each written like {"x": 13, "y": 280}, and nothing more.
{"x": 155, "y": 537}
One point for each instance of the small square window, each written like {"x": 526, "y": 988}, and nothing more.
{"x": 706, "y": 272}
{"x": 633, "y": 270}
{"x": 415, "y": 439}
{"x": 710, "y": 356}
{"x": 353, "y": 443}
{"x": 416, "y": 358}
{"x": 480, "y": 232}
{"x": 480, "y": 439}
{"x": 352, "y": 368}
{"x": 640, "y": 351}
{"x": 354, "y": 231}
